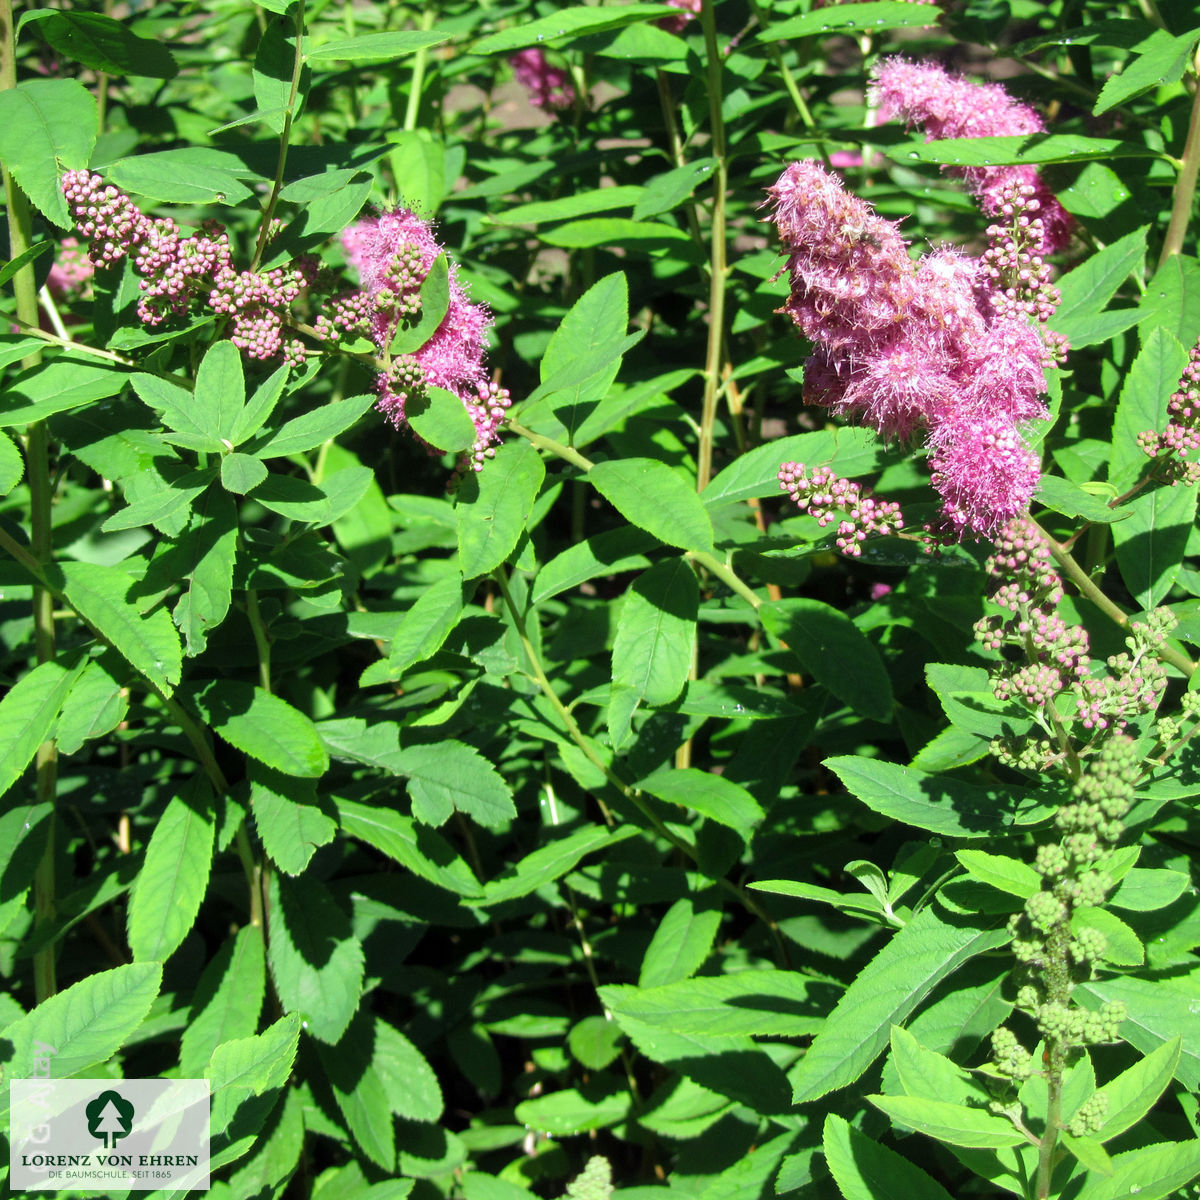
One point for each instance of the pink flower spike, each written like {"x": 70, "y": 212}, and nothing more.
{"x": 689, "y": 10}
{"x": 548, "y": 87}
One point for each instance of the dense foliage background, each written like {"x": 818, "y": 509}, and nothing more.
{"x": 460, "y": 826}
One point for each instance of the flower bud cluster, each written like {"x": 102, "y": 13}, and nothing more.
{"x": 594, "y": 1183}
{"x": 72, "y": 270}
{"x": 182, "y": 273}
{"x": 825, "y": 495}
{"x": 1181, "y": 437}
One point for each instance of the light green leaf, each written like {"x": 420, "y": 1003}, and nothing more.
{"x": 47, "y": 125}
{"x": 607, "y": 553}
{"x": 567, "y": 25}
{"x": 220, "y": 393}
{"x": 682, "y": 942}
{"x": 240, "y": 473}
{"x": 670, "y": 189}
{"x": 1133, "y": 1093}
{"x": 607, "y": 231}
{"x": 595, "y": 1042}
{"x": 550, "y": 862}
{"x": 1007, "y": 874}
{"x": 864, "y": 1169}
{"x": 954, "y": 1124}
{"x": 494, "y": 506}
{"x": 449, "y": 775}
{"x": 435, "y": 302}
{"x": 189, "y": 175}
{"x": 56, "y": 386}
{"x": 1148, "y": 385}
{"x": 99, "y": 595}
{"x": 885, "y": 992}
{"x": 377, "y": 47}
{"x": 412, "y": 1087}
{"x": 170, "y": 887}
{"x": 1038, "y": 148}
{"x": 263, "y": 726}
{"x": 426, "y": 626}
{"x": 227, "y": 1000}
{"x": 1061, "y": 496}
{"x": 1124, "y": 947}
{"x": 94, "y": 708}
{"x": 834, "y": 651}
{"x": 1145, "y": 890}
{"x": 569, "y": 1111}
{"x": 27, "y": 714}
{"x": 249, "y": 1067}
{"x": 866, "y": 18}
{"x": 927, "y": 1075}
{"x": 316, "y": 961}
{"x": 299, "y": 500}
{"x": 1172, "y": 300}
{"x": 1161, "y": 59}
{"x": 650, "y": 495}
{"x": 713, "y": 796}
{"x": 1089, "y": 1152}
{"x": 260, "y": 406}
{"x": 12, "y": 465}
{"x": 577, "y": 204}
{"x": 102, "y": 43}
{"x": 289, "y": 820}
{"x": 440, "y": 418}
{"x": 1090, "y": 286}
{"x": 203, "y": 560}
{"x": 758, "y": 1003}
{"x": 312, "y": 429}
{"x": 1151, "y": 1173}
{"x": 1152, "y": 543}
{"x": 359, "y": 1092}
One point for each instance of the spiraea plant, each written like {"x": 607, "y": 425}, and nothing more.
{"x": 601, "y": 601}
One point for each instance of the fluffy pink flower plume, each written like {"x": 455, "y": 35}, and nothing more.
{"x": 952, "y": 106}
{"x": 689, "y": 9}
{"x": 393, "y": 253}
{"x": 72, "y": 269}
{"x": 940, "y": 348}
{"x": 548, "y": 87}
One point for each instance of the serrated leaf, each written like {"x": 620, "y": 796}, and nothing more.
{"x": 1023, "y": 149}
{"x": 203, "y": 562}
{"x": 670, "y": 189}
{"x": 1152, "y": 543}
{"x": 650, "y": 495}
{"x": 240, "y": 473}
{"x": 439, "y": 418}
{"x": 1000, "y": 871}
{"x": 682, "y": 941}
{"x": 249, "y": 1067}
{"x": 713, "y": 796}
{"x": 494, "y": 506}
{"x": 260, "y": 406}
{"x": 103, "y": 43}
{"x": 170, "y": 887}
{"x": 1172, "y": 300}
{"x": 263, "y": 726}
{"x": 574, "y": 1110}
{"x": 1124, "y": 947}
{"x": 834, "y": 651}
{"x": 1150, "y": 381}
{"x": 27, "y": 714}
{"x": 83, "y": 1026}
{"x": 411, "y": 1085}
{"x": 758, "y": 1003}
{"x": 226, "y": 1002}
{"x": 435, "y": 302}
{"x": 885, "y": 992}
{"x": 1161, "y": 59}
{"x": 56, "y": 386}
{"x": 1061, "y": 496}
{"x": 12, "y": 465}
{"x": 47, "y": 125}
{"x": 359, "y": 1093}
{"x": 577, "y": 204}
{"x": 928, "y": 1075}
{"x": 316, "y": 961}
{"x": 606, "y": 553}
{"x": 1151, "y": 1173}
{"x": 1133, "y": 1093}
{"x": 289, "y": 819}
{"x": 314, "y": 428}
{"x": 1088, "y": 288}
{"x": 220, "y": 392}
{"x": 94, "y": 707}
{"x": 595, "y": 1042}
{"x": 427, "y": 625}
{"x": 299, "y": 500}
{"x": 864, "y": 1169}
{"x": 99, "y": 594}
{"x": 451, "y": 776}
{"x": 1145, "y": 890}
{"x": 550, "y": 862}
{"x": 954, "y": 1124}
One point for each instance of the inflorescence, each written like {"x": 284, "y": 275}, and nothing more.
{"x": 1182, "y": 434}
{"x": 548, "y": 87}
{"x": 825, "y": 495}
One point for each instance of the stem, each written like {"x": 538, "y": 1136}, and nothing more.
{"x": 262, "y": 642}
{"x": 789, "y": 80}
{"x": 264, "y": 232}
{"x": 717, "y": 267}
{"x": 428, "y": 15}
{"x": 1080, "y": 578}
{"x": 37, "y": 465}
{"x": 727, "y": 576}
{"x": 1185, "y": 184}
{"x": 549, "y": 444}
{"x": 1058, "y": 991}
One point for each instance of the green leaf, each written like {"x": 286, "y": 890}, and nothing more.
{"x": 758, "y": 1003}
{"x": 415, "y": 847}
{"x": 316, "y": 961}
{"x": 1145, "y": 890}
{"x": 670, "y": 189}
{"x": 168, "y": 500}
{"x": 570, "y": 1111}
{"x": 263, "y": 726}
{"x": 46, "y": 126}
{"x": 607, "y": 231}
{"x": 595, "y": 1042}
{"x": 927, "y": 1075}
{"x": 426, "y": 626}
{"x": 954, "y": 1124}
{"x": 435, "y": 301}
{"x": 202, "y": 561}
{"x": 999, "y": 871}
{"x": 299, "y": 500}
{"x": 494, "y": 506}
{"x": 1133, "y": 1093}
{"x": 713, "y": 796}
{"x": 1090, "y": 1153}
{"x": 11, "y": 342}
{"x": 831, "y": 648}
{"x": 1022, "y": 149}
{"x": 27, "y": 714}
{"x": 240, "y": 473}
{"x": 1158, "y": 1011}
{"x": 886, "y": 991}
{"x": 448, "y": 776}
{"x": 226, "y": 1002}
{"x": 1152, "y": 543}
{"x": 938, "y": 803}
{"x": 1124, "y": 948}
{"x": 191, "y": 175}
{"x": 289, "y": 820}
{"x": 94, "y": 708}
{"x": 1148, "y": 386}
{"x": 318, "y": 220}
{"x": 656, "y": 632}
{"x": 56, "y": 386}
{"x": 1161, "y": 59}
{"x": 220, "y": 392}
{"x": 550, "y": 862}
{"x": 864, "y": 1169}
{"x": 682, "y": 941}
{"x": 650, "y": 495}
{"x": 85, "y": 1025}
{"x": 607, "y": 553}
{"x": 866, "y": 18}
{"x": 577, "y": 204}
{"x": 1172, "y": 300}
{"x": 412, "y": 1087}
{"x": 273, "y": 71}
{"x": 249, "y": 1067}
{"x": 1060, "y": 496}
{"x": 170, "y": 887}
{"x": 418, "y": 159}
{"x": 312, "y": 429}
{"x": 376, "y": 47}
{"x": 1151, "y": 1173}
{"x": 567, "y": 25}
{"x": 100, "y": 596}
{"x": 260, "y": 406}
{"x": 177, "y": 411}
{"x": 359, "y": 1093}
{"x": 441, "y": 419}
{"x": 102, "y": 43}
{"x": 1090, "y": 286}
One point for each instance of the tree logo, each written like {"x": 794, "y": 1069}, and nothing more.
{"x": 109, "y": 1117}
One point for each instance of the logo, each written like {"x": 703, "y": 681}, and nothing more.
{"x": 109, "y": 1117}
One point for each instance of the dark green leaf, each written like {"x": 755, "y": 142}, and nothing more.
{"x": 652, "y": 496}
{"x": 195, "y": 175}
{"x": 717, "y": 798}
{"x": 441, "y": 419}
{"x": 425, "y": 627}
{"x": 103, "y": 43}
{"x": 1152, "y": 543}
{"x": 494, "y": 506}
{"x": 1148, "y": 386}
{"x": 866, "y": 1170}
{"x": 1161, "y": 59}
{"x": 299, "y": 500}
